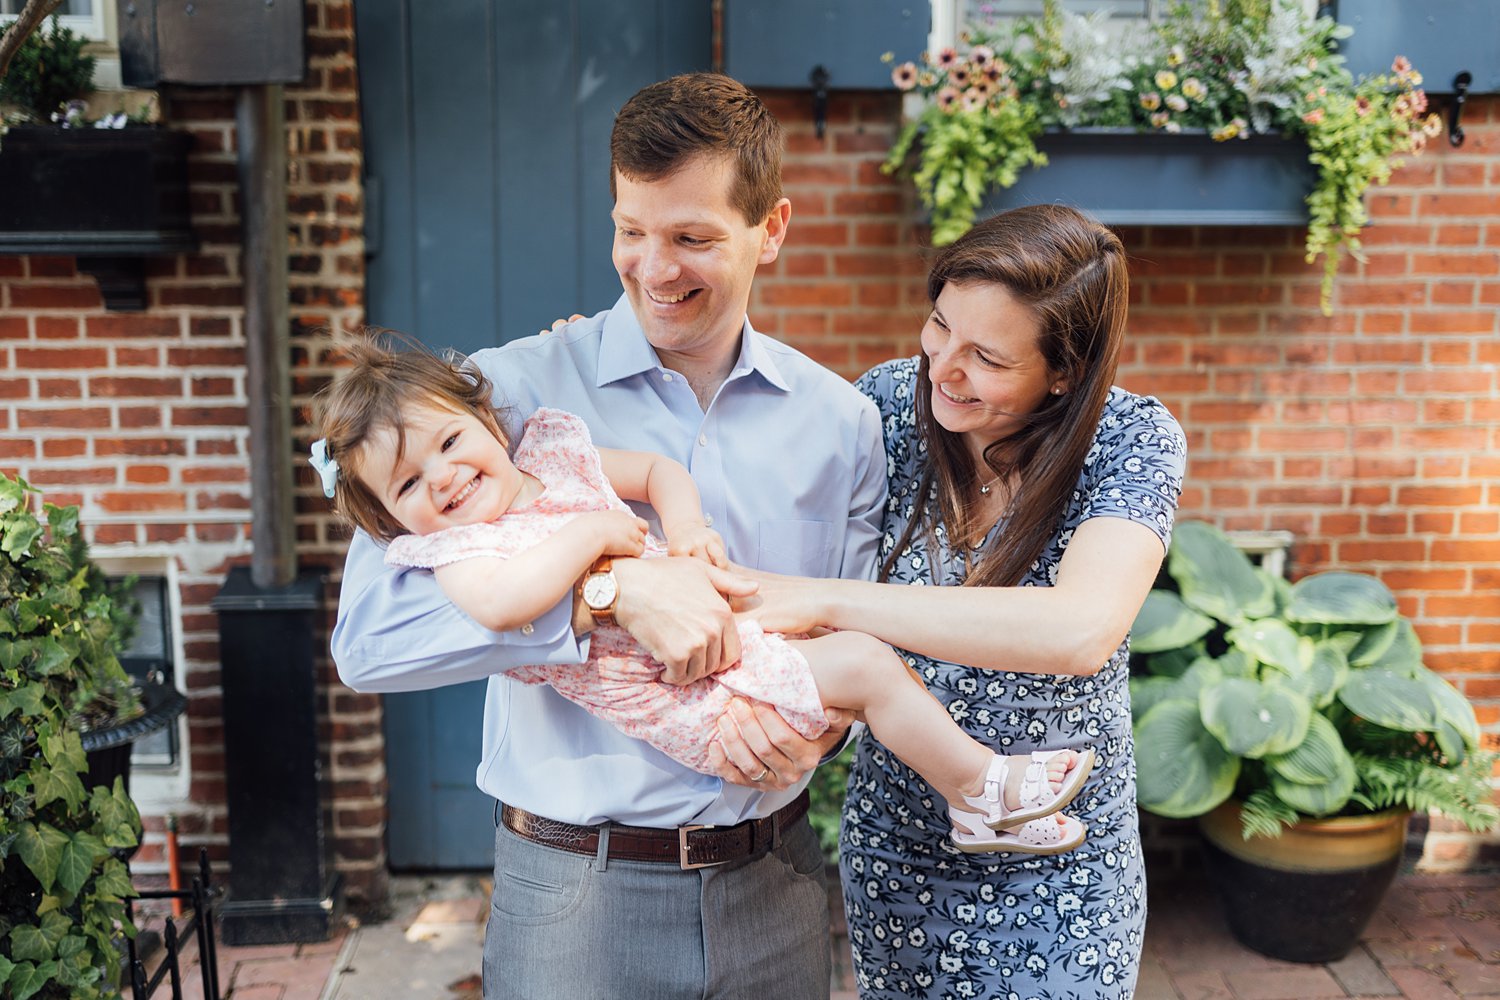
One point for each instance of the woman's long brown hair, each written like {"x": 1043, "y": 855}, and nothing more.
{"x": 1071, "y": 272}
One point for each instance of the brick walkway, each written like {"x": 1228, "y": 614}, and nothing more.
{"x": 1436, "y": 937}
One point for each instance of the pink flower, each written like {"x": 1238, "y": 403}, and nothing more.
{"x": 959, "y": 76}
{"x": 947, "y": 99}
{"x": 1418, "y": 102}
{"x": 981, "y": 56}
{"x": 947, "y": 58}
{"x": 1314, "y": 116}
{"x": 1401, "y": 66}
{"x": 973, "y": 99}
{"x": 904, "y": 76}
{"x": 1362, "y": 106}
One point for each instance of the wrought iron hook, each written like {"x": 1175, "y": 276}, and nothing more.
{"x": 1456, "y": 109}
{"x": 819, "y": 79}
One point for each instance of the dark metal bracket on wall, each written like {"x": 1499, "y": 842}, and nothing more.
{"x": 819, "y": 80}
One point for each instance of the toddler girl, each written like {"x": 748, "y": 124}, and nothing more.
{"x": 414, "y": 453}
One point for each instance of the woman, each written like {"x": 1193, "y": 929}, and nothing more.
{"x": 1040, "y": 500}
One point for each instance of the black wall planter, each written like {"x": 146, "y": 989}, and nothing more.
{"x": 1127, "y": 178}
{"x": 106, "y": 196}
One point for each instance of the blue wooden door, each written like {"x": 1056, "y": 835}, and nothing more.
{"x": 486, "y": 132}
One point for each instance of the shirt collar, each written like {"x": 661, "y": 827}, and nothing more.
{"x": 624, "y": 351}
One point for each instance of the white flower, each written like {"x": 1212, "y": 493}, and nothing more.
{"x": 965, "y": 913}
{"x": 1088, "y": 956}
{"x": 949, "y": 963}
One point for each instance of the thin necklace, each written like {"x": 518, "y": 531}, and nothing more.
{"x": 984, "y": 489}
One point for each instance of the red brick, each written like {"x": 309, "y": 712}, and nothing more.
{"x": 54, "y": 296}
{"x": 81, "y": 417}
{"x": 142, "y": 387}
{"x": 61, "y": 357}
{"x": 141, "y": 501}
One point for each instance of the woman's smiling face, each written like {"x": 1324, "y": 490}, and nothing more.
{"x": 985, "y": 363}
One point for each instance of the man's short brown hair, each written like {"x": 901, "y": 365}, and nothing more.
{"x": 666, "y": 124}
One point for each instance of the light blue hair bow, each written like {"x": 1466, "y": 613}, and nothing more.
{"x": 328, "y": 468}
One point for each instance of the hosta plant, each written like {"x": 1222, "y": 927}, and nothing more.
{"x": 62, "y": 887}
{"x": 1306, "y": 699}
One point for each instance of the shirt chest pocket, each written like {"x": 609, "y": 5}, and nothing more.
{"x": 802, "y": 548}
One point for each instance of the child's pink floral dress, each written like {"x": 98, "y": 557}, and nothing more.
{"x": 619, "y": 683}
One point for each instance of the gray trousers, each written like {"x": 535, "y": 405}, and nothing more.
{"x": 564, "y": 927}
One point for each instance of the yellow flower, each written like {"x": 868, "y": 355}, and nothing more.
{"x": 1166, "y": 79}
{"x": 1176, "y": 56}
{"x": 887, "y": 57}
{"x": 1193, "y": 89}
{"x": 1227, "y": 132}
{"x": 1151, "y": 101}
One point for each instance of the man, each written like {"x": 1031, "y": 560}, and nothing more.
{"x": 598, "y": 889}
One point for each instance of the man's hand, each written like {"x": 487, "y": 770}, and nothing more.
{"x": 756, "y": 748}
{"x": 678, "y": 609}
{"x": 786, "y": 604}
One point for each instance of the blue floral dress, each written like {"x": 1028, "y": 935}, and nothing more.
{"x": 928, "y": 921}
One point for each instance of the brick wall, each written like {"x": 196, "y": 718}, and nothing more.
{"x": 1369, "y": 434}
{"x": 140, "y": 417}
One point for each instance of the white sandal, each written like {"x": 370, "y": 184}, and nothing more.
{"x": 1039, "y": 836}
{"x": 1036, "y": 797}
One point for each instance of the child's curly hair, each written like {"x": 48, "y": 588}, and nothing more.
{"x": 390, "y": 374}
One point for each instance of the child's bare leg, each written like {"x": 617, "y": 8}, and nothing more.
{"x": 858, "y": 672}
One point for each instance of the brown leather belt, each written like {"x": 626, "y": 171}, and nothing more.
{"x": 686, "y": 846}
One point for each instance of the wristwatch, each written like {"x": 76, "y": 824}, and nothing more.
{"x": 600, "y": 591}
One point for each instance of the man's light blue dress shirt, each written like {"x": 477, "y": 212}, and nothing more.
{"x": 789, "y": 460}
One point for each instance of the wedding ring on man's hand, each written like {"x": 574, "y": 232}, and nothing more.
{"x": 762, "y": 775}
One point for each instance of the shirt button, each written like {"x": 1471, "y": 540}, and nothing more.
{"x": 666, "y": 376}
{"x": 708, "y": 520}
{"x": 527, "y": 629}
{"x": 702, "y": 440}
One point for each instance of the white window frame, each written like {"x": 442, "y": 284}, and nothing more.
{"x": 93, "y": 26}
{"x": 947, "y": 19}
{"x": 158, "y": 790}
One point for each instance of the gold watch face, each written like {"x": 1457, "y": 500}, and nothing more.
{"x": 599, "y": 590}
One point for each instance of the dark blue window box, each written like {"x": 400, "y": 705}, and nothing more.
{"x": 1128, "y": 178}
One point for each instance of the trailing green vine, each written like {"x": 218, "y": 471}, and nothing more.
{"x": 1227, "y": 68}
{"x": 62, "y": 885}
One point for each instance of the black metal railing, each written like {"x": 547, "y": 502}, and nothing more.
{"x": 200, "y": 926}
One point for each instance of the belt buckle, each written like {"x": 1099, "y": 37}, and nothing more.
{"x": 682, "y": 847}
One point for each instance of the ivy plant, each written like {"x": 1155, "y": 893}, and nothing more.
{"x": 1225, "y": 68}
{"x": 62, "y": 881}
{"x": 1300, "y": 700}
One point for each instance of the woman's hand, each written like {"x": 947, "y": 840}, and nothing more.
{"x": 558, "y": 324}
{"x": 789, "y": 604}
{"x": 619, "y": 533}
{"x": 696, "y": 541}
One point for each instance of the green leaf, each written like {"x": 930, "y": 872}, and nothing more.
{"x": 14, "y": 652}
{"x": 1255, "y": 718}
{"x": 1390, "y": 699}
{"x": 1215, "y": 577}
{"x": 6, "y": 967}
{"x": 1458, "y": 727}
{"x": 1373, "y": 643}
{"x": 27, "y": 698}
{"x": 1339, "y": 598}
{"x": 79, "y": 856}
{"x": 53, "y": 783}
{"x": 20, "y": 534}
{"x": 1316, "y": 777}
{"x": 1182, "y": 770}
{"x": 29, "y": 944}
{"x": 65, "y": 749}
{"x": 12, "y": 493}
{"x": 114, "y": 880}
{"x": 1166, "y": 623}
{"x": 1173, "y": 662}
{"x": 1271, "y": 641}
{"x": 63, "y": 520}
{"x": 1148, "y": 692}
{"x": 41, "y": 848}
{"x": 115, "y": 818}
{"x": 27, "y": 980}
{"x": 1321, "y": 681}
{"x": 1404, "y": 654}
